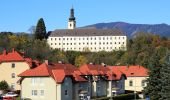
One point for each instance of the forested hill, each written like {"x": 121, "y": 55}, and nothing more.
{"x": 131, "y": 29}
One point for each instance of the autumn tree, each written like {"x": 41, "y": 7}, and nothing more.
{"x": 80, "y": 60}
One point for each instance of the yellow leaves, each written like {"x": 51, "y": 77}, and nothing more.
{"x": 80, "y": 60}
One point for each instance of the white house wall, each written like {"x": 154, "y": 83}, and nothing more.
{"x": 91, "y": 43}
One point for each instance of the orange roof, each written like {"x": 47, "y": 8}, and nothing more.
{"x": 12, "y": 56}
{"x": 15, "y": 56}
{"x": 90, "y": 69}
{"x": 131, "y": 71}
{"x": 57, "y": 71}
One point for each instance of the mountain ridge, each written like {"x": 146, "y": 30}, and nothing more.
{"x": 131, "y": 29}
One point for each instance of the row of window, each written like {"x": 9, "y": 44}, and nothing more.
{"x": 36, "y": 92}
{"x": 88, "y": 43}
{"x": 94, "y": 48}
{"x": 143, "y": 82}
{"x": 89, "y": 38}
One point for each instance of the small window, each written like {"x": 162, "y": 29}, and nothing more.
{"x": 12, "y": 86}
{"x": 13, "y": 65}
{"x": 41, "y": 92}
{"x": 130, "y": 83}
{"x": 143, "y": 83}
{"x": 51, "y": 43}
{"x": 34, "y": 93}
{"x": 13, "y": 75}
{"x": 66, "y": 92}
{"x": 51, "y": 38}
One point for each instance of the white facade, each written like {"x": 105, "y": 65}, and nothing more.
{"x": 135, "y": 83}
{"x": 88, "y": 43}
{"x": 71, "y": 24}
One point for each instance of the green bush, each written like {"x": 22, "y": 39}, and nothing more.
{"x": 119, "y": 97}
{"x": 4, "y": 85}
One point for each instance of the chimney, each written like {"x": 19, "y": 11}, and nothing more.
{"x": 46, "y": 62}
{"x": 4, "y": 52}
{"x": 60, "y": 62}
{"x": 13, "y": 50}
{"x": 91, "y": 63}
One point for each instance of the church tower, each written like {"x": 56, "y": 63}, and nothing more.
{"x": 72, "y": 20}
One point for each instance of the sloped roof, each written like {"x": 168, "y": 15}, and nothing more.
{"x": 12, "y": 56}
{"x": 87, "y": 32}
{"x": 57, "y": 71}
{"x": 15, "y": 56}
{"x": 96, "y": 70}
{"x": 132, "y": 71}
{"x": 91, "y": 69}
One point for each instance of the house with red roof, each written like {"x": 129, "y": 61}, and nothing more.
{"x": 61, "y": 81}
{"x": 136, "y": 77}
{"x": 101, "y": 80}
{"x": 11, "y": 64}
{"x": 51, "y": 81}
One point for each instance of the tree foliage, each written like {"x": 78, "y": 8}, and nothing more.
{"x": 4, "y": 85}
{"x": 40, "y": 32}
{"x": 80, "y": 60}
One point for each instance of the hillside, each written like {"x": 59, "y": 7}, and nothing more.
{"x": 131, "y": 29}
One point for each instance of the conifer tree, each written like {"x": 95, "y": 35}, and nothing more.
{"x": 40, "y": 32}
{"x": 154, "y": 81}
{"x": 165, "y": 79}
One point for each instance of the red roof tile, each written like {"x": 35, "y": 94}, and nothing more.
{"x": 15, "y": 56}
{"x": 90, "y": 69}
{"x": 56, "y": 70}
{"x": 132, "y": 71}
{"x": 12, "y": 56}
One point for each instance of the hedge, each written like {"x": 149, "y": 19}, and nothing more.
{"x": 129, "y": 96}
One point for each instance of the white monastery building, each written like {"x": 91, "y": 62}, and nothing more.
{"x": 81, "y": 39}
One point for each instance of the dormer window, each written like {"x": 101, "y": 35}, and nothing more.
{"x": 13, "y": 65}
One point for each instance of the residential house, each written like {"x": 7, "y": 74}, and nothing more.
{"x": 12, "y": 64}
{"x": 59, "y": 81}
{"x": 136, "y": 77}
{"x": 54, "y": 81}
{"x": 102, "y": 80}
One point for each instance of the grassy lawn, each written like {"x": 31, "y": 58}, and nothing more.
{"x": 18, "y": 98}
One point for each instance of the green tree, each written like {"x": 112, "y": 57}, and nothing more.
{"x": 40, "y": 32}
{"x": 80, "y": 60}
{"x": 165, "y": 79}
{"x": 4, "y": 85}
{"x": 154, "y": 82}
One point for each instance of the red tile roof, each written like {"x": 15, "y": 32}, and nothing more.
{"x": 90, "y": 69}
{"x": 15, "y": 56}
{"x": 12, "y": 56}
{"x": 57, "y": 71}
{"x": 131, "y": 71}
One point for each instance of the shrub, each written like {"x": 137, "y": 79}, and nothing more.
{"x": 129, "y": 96}
{"x": 4, "y": 85}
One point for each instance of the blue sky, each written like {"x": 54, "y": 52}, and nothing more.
{"x": 20, "y": 15}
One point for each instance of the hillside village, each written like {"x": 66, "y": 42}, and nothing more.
{"x": 82, "y": 64}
